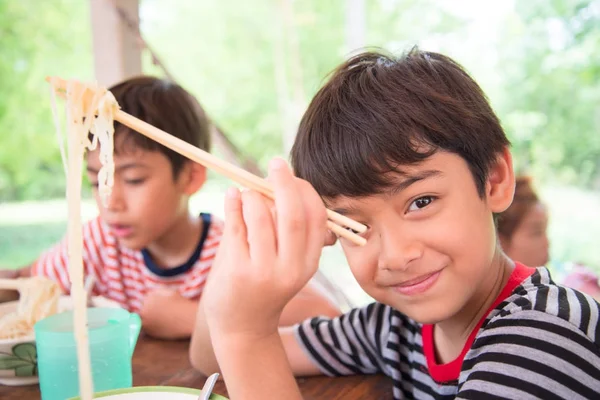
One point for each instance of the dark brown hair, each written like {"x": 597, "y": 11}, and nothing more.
{"x": 167, "y": 106}
{"x": 378, "y": 112}
{"x": 525, "y": 198}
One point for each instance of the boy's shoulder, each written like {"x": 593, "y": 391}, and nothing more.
{"x": 543, "y": 340}
{"x": 538, "y": 301}
{"x": 212, "y": 234}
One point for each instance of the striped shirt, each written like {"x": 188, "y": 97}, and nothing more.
{"x": 538, "y": 341}
{"x": 126, "y": 275}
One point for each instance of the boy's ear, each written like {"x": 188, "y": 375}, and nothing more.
{"x": 194, "y": 177}
{"x": 500, "y": 186}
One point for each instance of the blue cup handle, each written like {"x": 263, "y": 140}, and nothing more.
{"x": 135, "y": 325}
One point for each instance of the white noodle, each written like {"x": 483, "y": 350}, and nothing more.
{"x": 82, "y": 103}
{"x": 38, "y": 300}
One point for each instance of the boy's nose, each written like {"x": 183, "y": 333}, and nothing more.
{"x": 397, "y": 252}
{"x": 116, "y": 202}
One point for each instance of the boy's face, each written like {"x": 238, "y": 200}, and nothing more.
{"x": 529, "y": 243}
{"x": 430, "y": 240}
{"x": 146, "y": 200}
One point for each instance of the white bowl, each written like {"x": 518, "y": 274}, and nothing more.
{"x": 18, "y": 357}
{"x": 153, "y": 393}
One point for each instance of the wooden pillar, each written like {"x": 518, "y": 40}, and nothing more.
{"x": 356, "y": 26}
{"x": 116, "y": 54}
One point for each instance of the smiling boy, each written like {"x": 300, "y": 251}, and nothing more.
{"x": 411, "y": 148}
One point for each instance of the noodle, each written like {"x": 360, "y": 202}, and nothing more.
{"x": 38, "y": 300}
{"x": 82, "y": 103}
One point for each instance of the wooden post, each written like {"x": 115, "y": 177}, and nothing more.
{"x": 356, "y": 27}
{"x": 116, "y": 53}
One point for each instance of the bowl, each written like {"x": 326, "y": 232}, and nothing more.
{"x": 18, "y": 357}
{"x": 153, "y": 393}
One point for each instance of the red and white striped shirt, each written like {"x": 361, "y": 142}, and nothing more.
{"x": 125, "y": 275}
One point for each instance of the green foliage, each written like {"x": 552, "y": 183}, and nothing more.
{"x": 256, "y": 64}
{"x": 20, "y": 245}
{"x": 553, "y": 74}
{"x": 244, "y": 60}
{"x": 52, "y": 40}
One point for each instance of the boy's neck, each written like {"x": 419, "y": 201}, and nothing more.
{"x": 179, "y": 242}
{"x": 451, "y": 335}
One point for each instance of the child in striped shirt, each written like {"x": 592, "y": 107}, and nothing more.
{"x": 410, "y": 147}
{"x": 145, "y": 250}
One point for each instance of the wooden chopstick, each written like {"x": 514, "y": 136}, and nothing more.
{"x": 12, "y": 284}
{"x": 231, "y": 171}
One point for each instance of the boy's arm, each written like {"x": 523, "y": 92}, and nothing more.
{"x": 258, "y": 368}
{"x": 280, "y": 249}
{"x": 308, "y": 303}
{"x": 166, "y": 314}
{"x": 202, "y": 354}
{"x": 241, "y": 308}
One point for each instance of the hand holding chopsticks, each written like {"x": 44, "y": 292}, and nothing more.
{"x": 340, "y": 225}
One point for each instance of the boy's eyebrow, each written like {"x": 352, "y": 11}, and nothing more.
{"x": 346, "y": 210}
{"x": 409, "y": 179}
{"x": 120, "y": 167}
{"x": 396, "y": 188}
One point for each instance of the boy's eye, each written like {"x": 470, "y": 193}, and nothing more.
{"x": 135, "y": 181}
{"x": 420, "y": 203}
{"x": 94, "y": 185}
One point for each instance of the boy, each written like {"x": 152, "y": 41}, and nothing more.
{"x": 411, "y": 148}
{"x": 145, "y": 250}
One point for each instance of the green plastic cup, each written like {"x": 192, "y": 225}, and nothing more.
{"x": 113, "y": 333}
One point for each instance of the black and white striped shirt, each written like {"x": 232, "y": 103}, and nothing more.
{"x": 539, "y": 341}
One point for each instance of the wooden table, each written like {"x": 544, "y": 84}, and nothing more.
{"x": 166, "y": 363}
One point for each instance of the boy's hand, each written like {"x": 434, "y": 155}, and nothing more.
{"x": 266, "y": 256}
{"x": 166, "y": 314}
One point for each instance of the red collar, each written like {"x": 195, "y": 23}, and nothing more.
{"x": 450, "y": 371}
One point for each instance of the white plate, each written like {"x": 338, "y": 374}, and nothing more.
{"x": 153, "y": 393}
{"x": 152, "y": 396}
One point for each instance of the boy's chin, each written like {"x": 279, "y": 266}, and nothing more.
{"x": 134, "y": 244}
{"x": 426, "y": 313}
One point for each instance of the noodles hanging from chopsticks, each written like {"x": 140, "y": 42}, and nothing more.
{"x": 85, "y": 130}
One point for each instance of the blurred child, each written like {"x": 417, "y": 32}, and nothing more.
{"x": 145, "y": 250}
{"x": 523, "y": 234}
{"x": 522, "y": 228}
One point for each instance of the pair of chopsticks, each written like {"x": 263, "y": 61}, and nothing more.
{"x": 12, "y": 284}
{"x": 20, "y": 283}
{"x": 336, "y": 223}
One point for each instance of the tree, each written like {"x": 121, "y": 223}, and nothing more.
{"x": 53, "y": 40}
{"x": 552, "y": 70}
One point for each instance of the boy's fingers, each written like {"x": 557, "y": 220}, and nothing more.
{"x": 316, "y": 218}
{"x": 259, "y": 227}
{"x": 291, "y": 219}
{"x": 234, "y": 233}
{"x": 330, "y": 238}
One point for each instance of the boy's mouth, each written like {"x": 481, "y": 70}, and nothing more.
{"x": 417, "y": 285}
{"x": 121, "y": 231}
